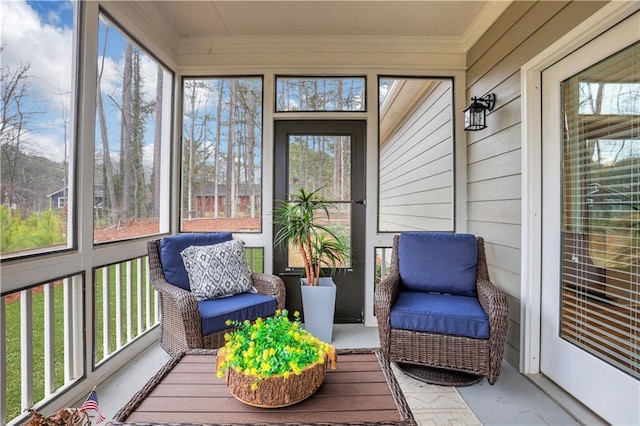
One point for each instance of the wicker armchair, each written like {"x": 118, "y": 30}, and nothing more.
{"x": 478, "y": 356}
{"x": 181, "y": 324}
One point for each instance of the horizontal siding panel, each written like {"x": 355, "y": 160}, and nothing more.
{"x": 514, "y": 309}
{"x": 504, "y": 257}
{"x": 508, "y": 115}
{"x": 503, "y": 211}
{"x": 420, "y": 176}
{"x": 512, "y": 347}
{"x": 501, "y": 188}
{"x": 438, "y": 211}
{"x": 505, "y": 117}
{"x": 512, "y": 353}
{"x": 504, "y": 141}
{"x": 564, "y": 21}
{"x": 441, "y": 195}
{"x": 498, "y": 233}
{"x": 423, "y": 145}
{"x": 505, "y": 280}
{"x": 508, "y": 19}
{"x": 515, "y": 36}
{"x": 412, "y": 223}
{"x": 428, "y": 152}
{"x": 443, "y": 180}
{"x": 495, "y": 167}
{"x": 432, "y": 115}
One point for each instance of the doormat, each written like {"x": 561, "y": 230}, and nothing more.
{"x": 433, "y": 404}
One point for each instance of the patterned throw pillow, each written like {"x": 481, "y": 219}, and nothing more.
{"x": 218, "y": 270}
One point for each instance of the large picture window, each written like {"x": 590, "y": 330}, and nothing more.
{"x": 222, "y": 154}
{"x": 133, "y": 126}
{"x": 37, "y": 132}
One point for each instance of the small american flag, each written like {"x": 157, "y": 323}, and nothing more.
{"x": 92, "y": 404}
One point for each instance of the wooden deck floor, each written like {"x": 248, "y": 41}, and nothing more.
{"x": 359, "y": 391}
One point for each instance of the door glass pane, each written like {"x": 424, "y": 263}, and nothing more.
{"x": 601, "y": 210}
{"x": 323, "y": 163}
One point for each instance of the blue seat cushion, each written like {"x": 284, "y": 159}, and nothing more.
{"x": 438, "y": 262}
{"x": 170, "y": 248}
{"x": 440, "y": 313}
{"x": 240, "y": 307}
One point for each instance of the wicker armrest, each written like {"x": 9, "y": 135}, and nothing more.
{"x": 495, "y": 304}
{"x": 385, "y": 296}
{"x": 184, "y": 300}
{"x": 271, "y": 285}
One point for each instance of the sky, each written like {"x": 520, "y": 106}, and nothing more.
{"x": 41, "y": 33}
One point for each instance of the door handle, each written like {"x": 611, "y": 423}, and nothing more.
{"x": 362, "y": 201}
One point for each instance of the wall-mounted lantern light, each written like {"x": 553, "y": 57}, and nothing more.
{"x": 475, "y": 115}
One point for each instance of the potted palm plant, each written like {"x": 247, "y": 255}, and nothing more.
{"x": 302, "y": 222}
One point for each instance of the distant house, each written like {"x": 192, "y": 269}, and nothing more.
{"x": 59, "y": 199}
{"x": 206, "y": 199}
{"x": 609, "y": 201}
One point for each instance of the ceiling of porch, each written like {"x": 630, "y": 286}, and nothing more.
{"x": 459, "y": 21}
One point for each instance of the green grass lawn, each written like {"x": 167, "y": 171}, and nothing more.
{"x": 256, "y": 263}
{"x": 13, "y": 333}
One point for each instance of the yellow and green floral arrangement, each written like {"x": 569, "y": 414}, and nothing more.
{"x": 271, "y": 347}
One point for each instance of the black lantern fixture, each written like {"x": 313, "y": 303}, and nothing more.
{"x": 475, "y": 115}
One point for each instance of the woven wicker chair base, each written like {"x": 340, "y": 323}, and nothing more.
{"x": 438, "y": 376}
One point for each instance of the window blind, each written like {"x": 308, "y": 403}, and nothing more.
{"x": 600, "y": 291}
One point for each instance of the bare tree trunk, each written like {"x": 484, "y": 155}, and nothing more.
{"x": 191, "y": 145}
{"x": 126, "y": 163}
{"x": 216, "y": 166}
{"x": 106, "y": 153}
{"x": 14, "y": 88}
{"x": 229, "y": 202}
{"x": 157, "y": 144}
{"x": 338, "y": 171}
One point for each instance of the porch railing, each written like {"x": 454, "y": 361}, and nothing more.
{"x": 44, "y": 334}
{"x": 42, "y": 338}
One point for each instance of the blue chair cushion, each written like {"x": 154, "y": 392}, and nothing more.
{"x": 170, "y": 248}
{"x": 440, "y": 313}
{"x": 240, "y": 307}
{"x": 438, "y": 262}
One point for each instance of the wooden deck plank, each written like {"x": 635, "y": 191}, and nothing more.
{"x": 185, "y": 390}
{"x": 269, "y": 417}
{"x": 231, "y": 405}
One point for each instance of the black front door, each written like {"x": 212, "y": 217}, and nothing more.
{"x": 327, "y": 154}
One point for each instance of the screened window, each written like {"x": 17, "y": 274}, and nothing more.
{"x": 222, "y": 154}
{"x": 38, "y": 70}
{"x": 133, "y": 127}
{"x": 601, "y": 210}
{"x": 416, "y": 154}
{"x": 320, "y": 94}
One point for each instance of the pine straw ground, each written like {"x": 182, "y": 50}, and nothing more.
{"x": 150, "y": 227}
